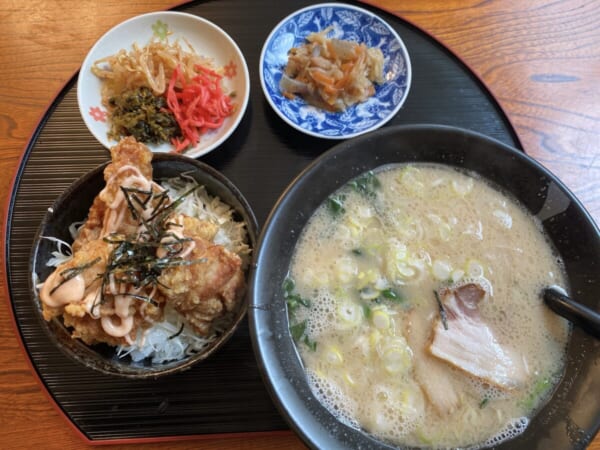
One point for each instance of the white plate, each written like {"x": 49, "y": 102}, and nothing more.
{"x": 349, "y": 23}
{"x": 204, "y": 36}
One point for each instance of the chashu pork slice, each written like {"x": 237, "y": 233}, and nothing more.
{"x": 432, "y": 374}
{"x": 466, "y": 342}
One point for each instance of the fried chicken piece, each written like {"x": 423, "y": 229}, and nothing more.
{"x": 91, "y": 330}
{"x": 90, "y": 260}
{"x": 78, "y": 299}
{"x": 131, "y": 166}
{"x": 198, "y": 228}
{"x": 207, "y": 288}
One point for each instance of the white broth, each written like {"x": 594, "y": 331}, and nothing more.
{"x": 414, "y": 300}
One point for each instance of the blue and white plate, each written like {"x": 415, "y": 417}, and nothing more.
{"x": 349, "y": 23}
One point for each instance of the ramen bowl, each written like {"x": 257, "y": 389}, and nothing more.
{"x": 571, "y": 416}
{"x": 72, "y": 206}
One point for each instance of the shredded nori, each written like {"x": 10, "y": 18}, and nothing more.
{"x": 173, "y": 336}
{"x": 443, "y": 315}
{"x": 133, "y": 259}
{"x": 143, "y": 115}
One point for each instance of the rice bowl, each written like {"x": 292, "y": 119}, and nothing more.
{"x": 171, "y": 343}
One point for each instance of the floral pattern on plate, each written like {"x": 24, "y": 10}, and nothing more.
{"x": 348, "y": 23}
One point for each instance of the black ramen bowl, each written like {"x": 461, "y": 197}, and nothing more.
{"x": 73, "y": 205}
{"x": 570, "y": 419}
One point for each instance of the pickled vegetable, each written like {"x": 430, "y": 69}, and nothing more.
{"x": 143, "y": 115}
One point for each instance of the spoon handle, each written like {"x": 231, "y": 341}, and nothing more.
{"x": 580, "y": 315}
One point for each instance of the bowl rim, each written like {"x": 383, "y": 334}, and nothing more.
{"x": 340, "y": 147}
{"x": 106, "y": 367}
{"x": 85, "y": 72}
{"x": 364, "y": 11}
{"x": 293, "y": 408}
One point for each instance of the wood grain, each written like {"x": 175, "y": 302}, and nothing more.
{"x": 540, "y": 58}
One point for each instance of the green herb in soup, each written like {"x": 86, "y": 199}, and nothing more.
{"x": 421, "y": 285}
{"x": 294, "y": 301}
{"x": 366, "y": 184}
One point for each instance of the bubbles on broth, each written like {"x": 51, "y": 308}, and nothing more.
{"x": 332, "y": 398}
{"x": 514, "y": 428}
{"x": 323, "y": 313}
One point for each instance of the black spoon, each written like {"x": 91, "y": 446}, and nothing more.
{"x": 580, "y": 315}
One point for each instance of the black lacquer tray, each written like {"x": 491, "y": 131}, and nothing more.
{"x": 224, "y": 394}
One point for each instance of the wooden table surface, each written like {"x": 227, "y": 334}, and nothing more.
{"x": 540, "y": 58}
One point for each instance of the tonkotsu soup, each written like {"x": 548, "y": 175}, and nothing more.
{"x": 414, "y": 300}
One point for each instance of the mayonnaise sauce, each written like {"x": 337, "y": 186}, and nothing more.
{"x": 176, "y": 230}
{"x": 91, "y": 302}
{"x": 70, "y": 291}
{"x": 117, "y": 329}
{"x": 118, "y": 208}
{"x": 122, "y": 303}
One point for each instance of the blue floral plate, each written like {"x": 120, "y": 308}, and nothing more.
{"x": 349, "y": 23}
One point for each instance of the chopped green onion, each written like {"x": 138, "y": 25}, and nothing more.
{"x": 541, "y": 386}
{"x": 367, "y": 311}
{"x": 368, "y": 293}
{"x": 392, "y": 294}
